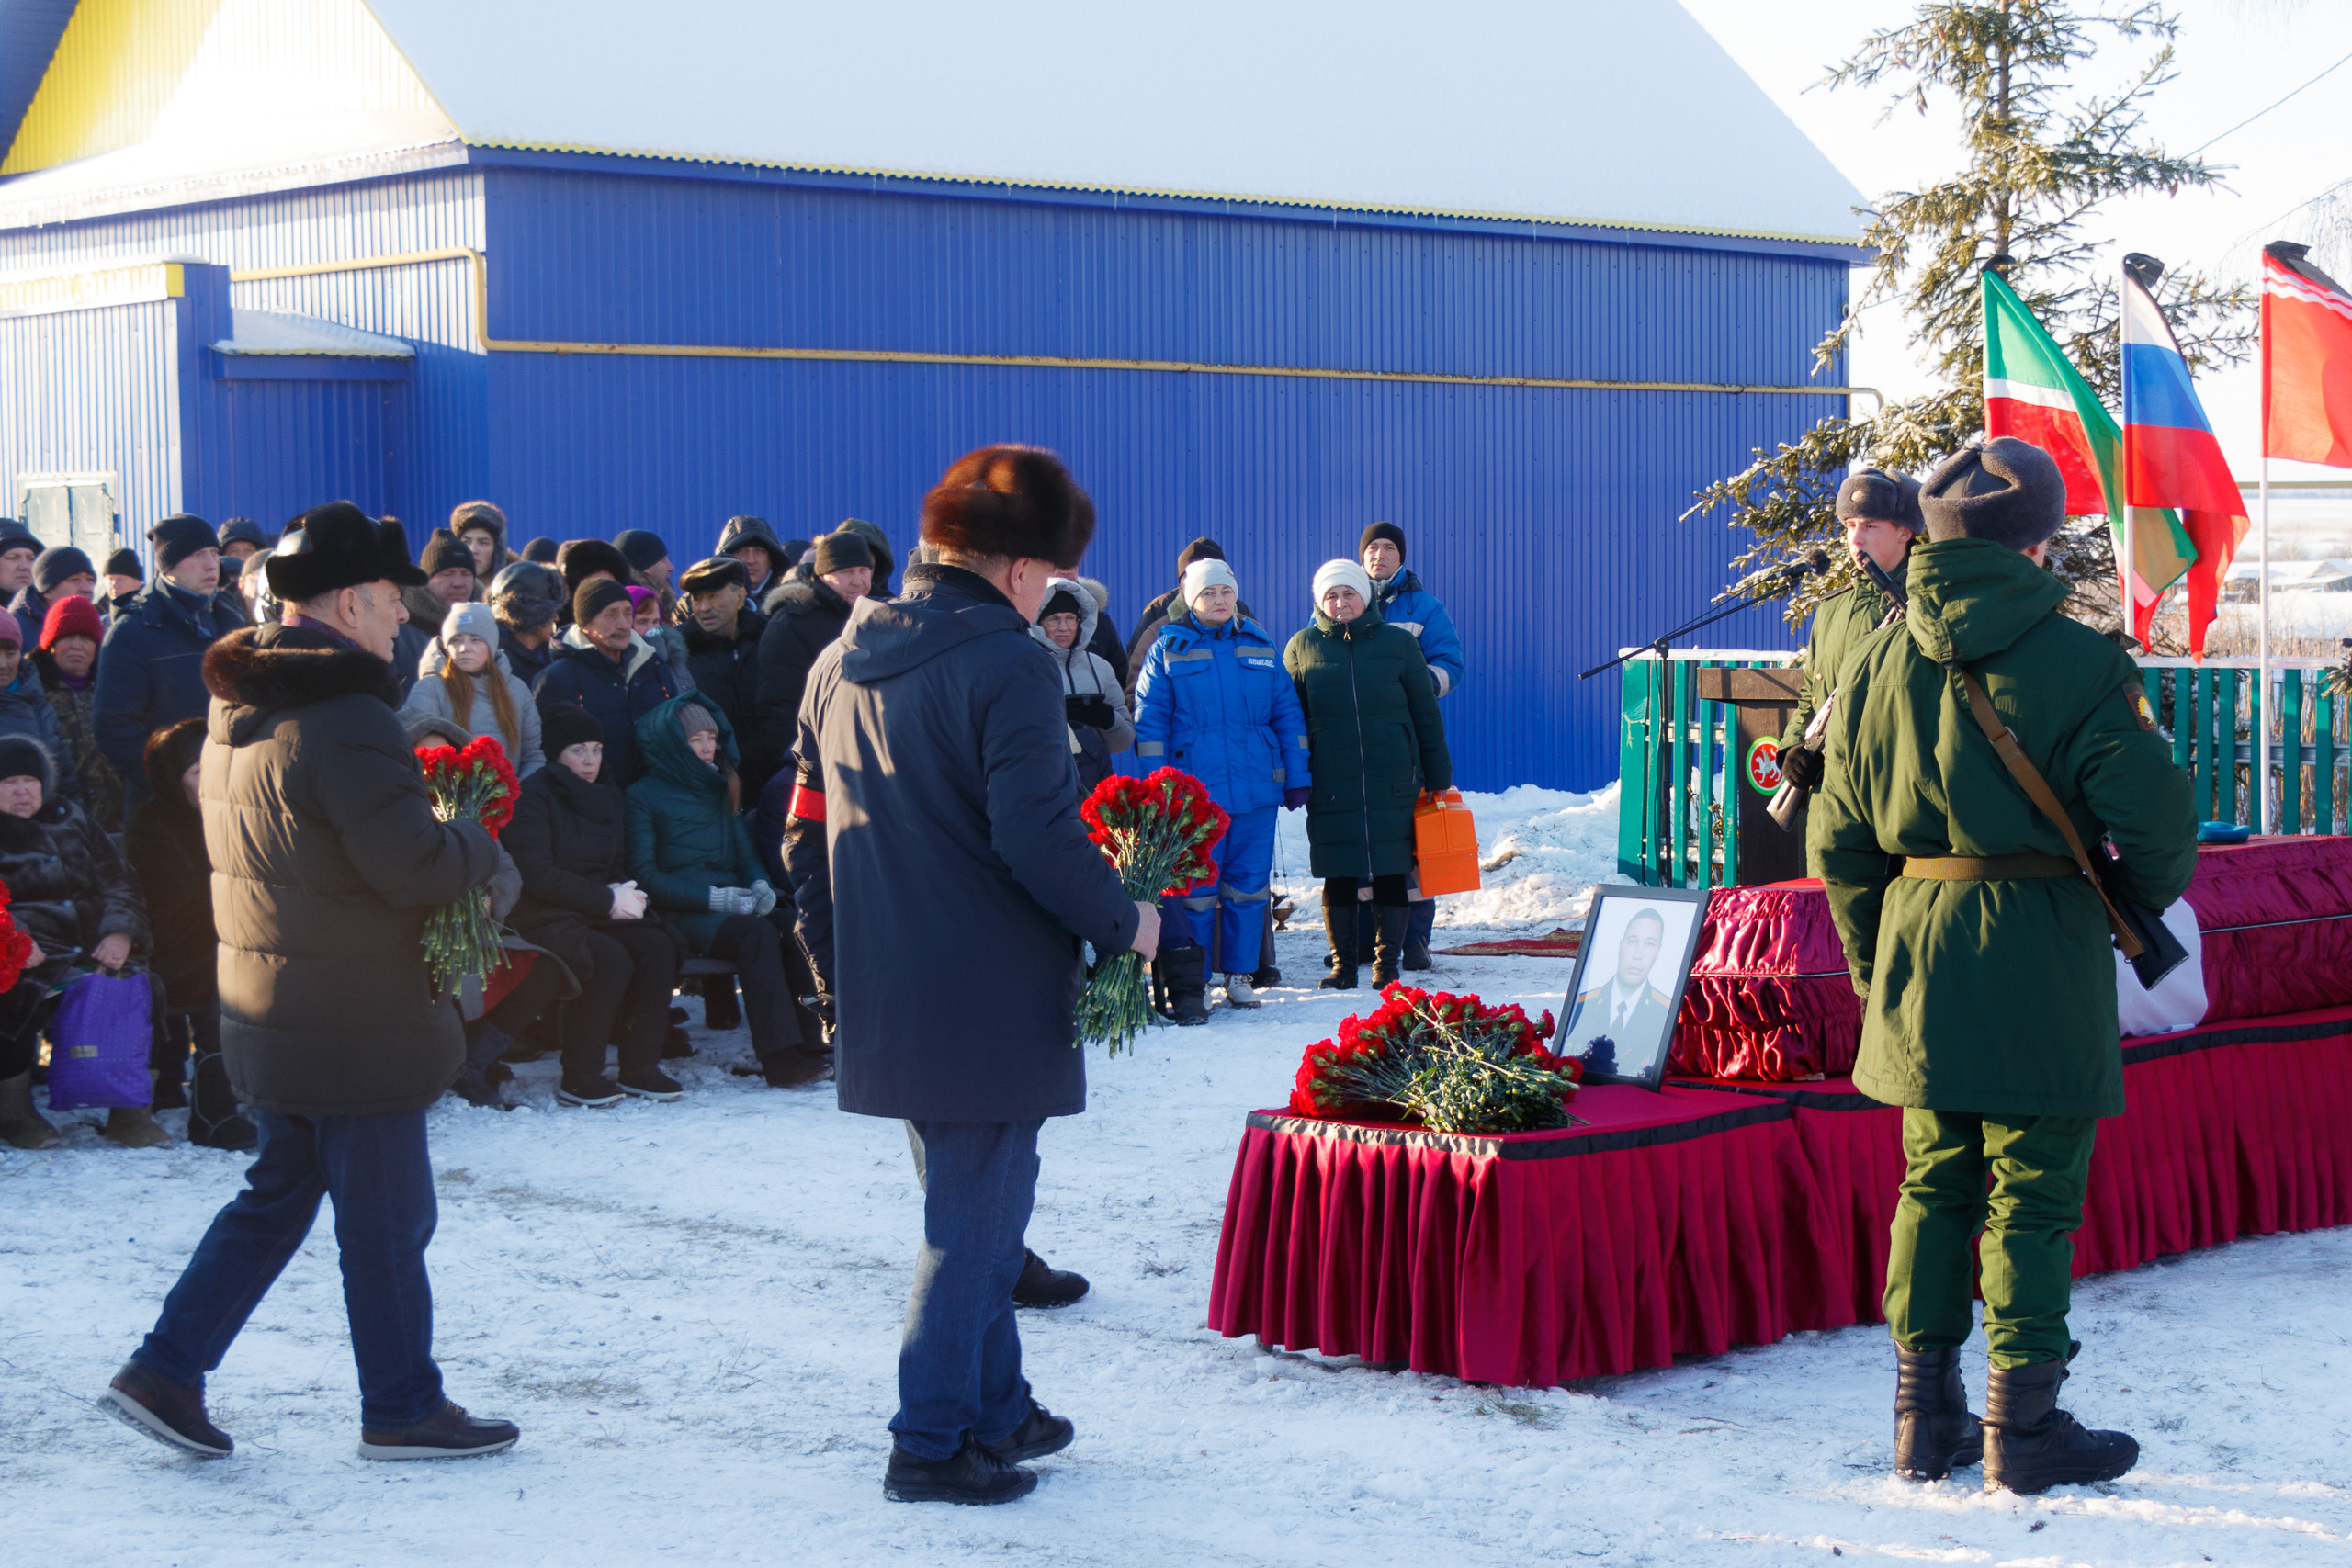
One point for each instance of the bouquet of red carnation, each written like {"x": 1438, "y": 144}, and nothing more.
{"x": 1157, "y": 833}
{"x": 475, "y": 785}
{"x": 1452, "y": 1064}
{"x": 16, "y": 945}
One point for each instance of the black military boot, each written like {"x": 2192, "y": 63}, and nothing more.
{"x": 1339, "y": 928}
{"x": 1186, "y": 971}
{"x": 1388, "y": 950}
{"x": 1934, "y": 1432}
{"x": 2031, "y": 1445}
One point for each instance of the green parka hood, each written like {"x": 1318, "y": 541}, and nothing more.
{"x": 662, "y": 743}
{"x": 1974, "y": 598}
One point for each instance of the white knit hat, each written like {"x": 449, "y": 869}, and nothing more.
{"x": 1207, "y": 574}
{"x": 1342, "y": 574}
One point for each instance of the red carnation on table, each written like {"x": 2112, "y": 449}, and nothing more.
{"x": 16, "y": 945}
{"x": 1452, "y": 1064}
{"x": 1157, "y": 832}
{"x": 475, "y": 783}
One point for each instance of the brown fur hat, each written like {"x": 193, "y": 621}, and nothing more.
{"x": 1008, "y": 502}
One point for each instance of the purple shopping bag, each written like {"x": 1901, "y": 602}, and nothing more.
{"x": 98, "y": 1041}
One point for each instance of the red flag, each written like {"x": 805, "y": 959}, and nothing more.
{"x": 2306, "y": 360}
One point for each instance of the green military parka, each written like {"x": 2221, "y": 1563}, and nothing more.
{"x": 1839, "y": 625}
{"x": 1995, "y": 997}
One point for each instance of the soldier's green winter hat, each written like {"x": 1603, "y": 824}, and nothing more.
{"x": 2006, "y": 490}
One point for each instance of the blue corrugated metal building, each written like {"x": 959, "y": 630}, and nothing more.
{"x": 407, "y": 278}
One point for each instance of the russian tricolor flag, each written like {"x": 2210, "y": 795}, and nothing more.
{"x": 2170, "y": 456}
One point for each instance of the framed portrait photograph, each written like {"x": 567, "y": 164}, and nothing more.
{"x": 1626, "y": 989}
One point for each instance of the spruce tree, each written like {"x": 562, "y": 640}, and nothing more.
{"x": 2040, "y": 158}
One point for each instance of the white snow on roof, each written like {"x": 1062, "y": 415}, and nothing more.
{"x": 1611, "y": 111}
{"x": 277, "y": 333}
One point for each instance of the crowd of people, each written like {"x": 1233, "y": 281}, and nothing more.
{"x": 652, "y": 714}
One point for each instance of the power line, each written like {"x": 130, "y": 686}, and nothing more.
{"x": 2259, "y": 113}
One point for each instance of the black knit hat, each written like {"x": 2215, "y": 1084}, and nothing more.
{"x": 53, "y": 566}
{"x": 446, "y": 552}
{"x": 180, "y": 536}
{"x": 579, "y": 559}
{"x": 1874, "y": 493}
{"x": 794, "y": 549}
{"x": 242, "y": 531}
{"x": 877, "y": 545}
{"x": 841, "y": 552}
{"x": 541, "y": 549}
{"x": 589, "y": 599}
{"x": 565, "y": 725}
{"x": 337, "y": 546}
{"x": 15, "y": 536}
{"x": 125, "y": 563}
{"x": 2007, "y": 491}
{"x": 709, "y": 576}
{"x": 641, "y": 549}
{"x": 22, "y": 757}
{"x": 1388, "y": 531}
{"x": 1062, "y": 602}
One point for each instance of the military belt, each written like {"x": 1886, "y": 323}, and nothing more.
{"x": 1987, "y": 868}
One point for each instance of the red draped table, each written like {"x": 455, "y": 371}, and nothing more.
{"x": 1715, "y": 1213}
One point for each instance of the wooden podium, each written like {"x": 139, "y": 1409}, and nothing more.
{"x": 1765, "y": 700}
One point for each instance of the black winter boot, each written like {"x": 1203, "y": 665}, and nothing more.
{"x": 168, "y": 1411}
{"x": 1043, "y": 1285}
{"x": 2031, "y": 1445}
{"x": 1340, "y": 930}
{"x": 1388, "y": 953}
{"x": 1186, "y": 971}
{"x": 214, "y": 1121}
{"x": 974, "y": 1474}
{"x": 1934, "y": 1432}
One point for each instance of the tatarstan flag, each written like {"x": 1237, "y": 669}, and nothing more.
{"x": 2032, "y": 392}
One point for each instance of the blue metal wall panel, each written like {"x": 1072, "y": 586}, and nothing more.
{"x": 440, "y": 456}
{"x": 1546, "y": 519}
{"x": 96, "y": 392}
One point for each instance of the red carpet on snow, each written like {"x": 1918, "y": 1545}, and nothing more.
{"x": 1719, "y": 1213}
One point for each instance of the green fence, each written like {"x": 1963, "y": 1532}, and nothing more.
{"x": 1679, "y": 767}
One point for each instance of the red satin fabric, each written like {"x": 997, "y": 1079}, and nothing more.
{"x": 1713, "y": 1215}
{"x": 1770, "y": 997}
{"x": 2277, "y": 918}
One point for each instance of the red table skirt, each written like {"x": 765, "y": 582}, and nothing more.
{"x": 1715, "y": 1214}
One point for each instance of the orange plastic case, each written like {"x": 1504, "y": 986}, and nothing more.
{"x": 1446, "y": 843}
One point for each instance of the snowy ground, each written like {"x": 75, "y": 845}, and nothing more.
{"x": 693, "y": 1311}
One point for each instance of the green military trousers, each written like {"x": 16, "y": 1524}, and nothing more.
{"x": 2037, "y": 1167}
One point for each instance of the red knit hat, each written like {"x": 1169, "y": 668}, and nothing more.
{"x": 71, "y": 617}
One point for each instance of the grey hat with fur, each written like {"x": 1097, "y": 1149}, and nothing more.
{"x": 2007, "y": 491}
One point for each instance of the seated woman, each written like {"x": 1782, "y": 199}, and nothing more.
{"x": 1212, "y": 701}
{"x": 463, "y": 677}
{"x": 75, "y": 898}
{"x": 165, "y": 847}
{"x": 689, "y": 851}
{"x": 569, "y": 838}
{"x": 1373, "y": 730}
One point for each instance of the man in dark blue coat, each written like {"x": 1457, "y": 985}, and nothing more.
{"x": 609, "y": 673}
{"x": 933, "y": 745}
{"x": 151, "y": 668}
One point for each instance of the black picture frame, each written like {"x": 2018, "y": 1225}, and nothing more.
{"x": 1611, "y": 911}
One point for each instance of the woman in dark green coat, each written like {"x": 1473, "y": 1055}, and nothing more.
{"x": 691, "y": 855}
{"x": 1375, "y": 742}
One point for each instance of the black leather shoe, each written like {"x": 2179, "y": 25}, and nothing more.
{"x": 1043, "y": 1285}
{"x": 792, "y": 1067}
{"x": 447, "y": 1433}
{"x": 1934, "y": 1432}
{"x": 171, "y": 1413}
{"x": 2031, "y": 1445}
{"x": 973, "y": 1476}
{"x": 1041, "y": 1432}
{"x": 474, "y": 1088}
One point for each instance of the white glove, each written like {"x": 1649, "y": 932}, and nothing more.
{"x": 729, "y": 901}
{"x": 628, "y": 901}
{"x": 763, "y": 898}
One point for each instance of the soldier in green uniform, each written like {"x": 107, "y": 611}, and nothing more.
{"x": 1881, "y": 514}
{"x": 1982, "y": 955}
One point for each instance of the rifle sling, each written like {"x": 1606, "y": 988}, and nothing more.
{"x": 2036, "y": 789}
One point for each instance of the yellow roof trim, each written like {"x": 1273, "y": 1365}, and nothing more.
{"x": 1850, "y": 241}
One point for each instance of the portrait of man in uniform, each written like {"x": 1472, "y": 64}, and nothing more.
{"x": 1628, "y": 984}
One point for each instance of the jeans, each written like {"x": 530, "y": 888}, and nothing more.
{"x": 379, "y": 1172}
{"x": 960, "y": 1364}
{"x": 2040, "y": 1166}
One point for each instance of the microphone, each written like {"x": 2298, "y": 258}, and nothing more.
{"x": 1790, "y": 573}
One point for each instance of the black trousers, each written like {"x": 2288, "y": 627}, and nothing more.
{"x": 176, "y": 1033}
{"x": 1386, "y": 891}
{"x": 23, "y": 1013}
{"x": 630, "y": 970}
{"x": 771, "y": 996}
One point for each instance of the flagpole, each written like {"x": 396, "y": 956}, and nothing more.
{"x": 2260, "y": 773}
{"x": 2129, "y": 573}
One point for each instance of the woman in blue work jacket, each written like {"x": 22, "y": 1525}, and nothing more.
{"x": 1215, "y": 702}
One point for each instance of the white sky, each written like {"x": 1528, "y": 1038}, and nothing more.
{"x": 2233, "y": 58}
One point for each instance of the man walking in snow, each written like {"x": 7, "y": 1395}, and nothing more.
{"x": 1960, "y": 738}
{"x": 327, "y": 859}
{"x": 933, "y": 747}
